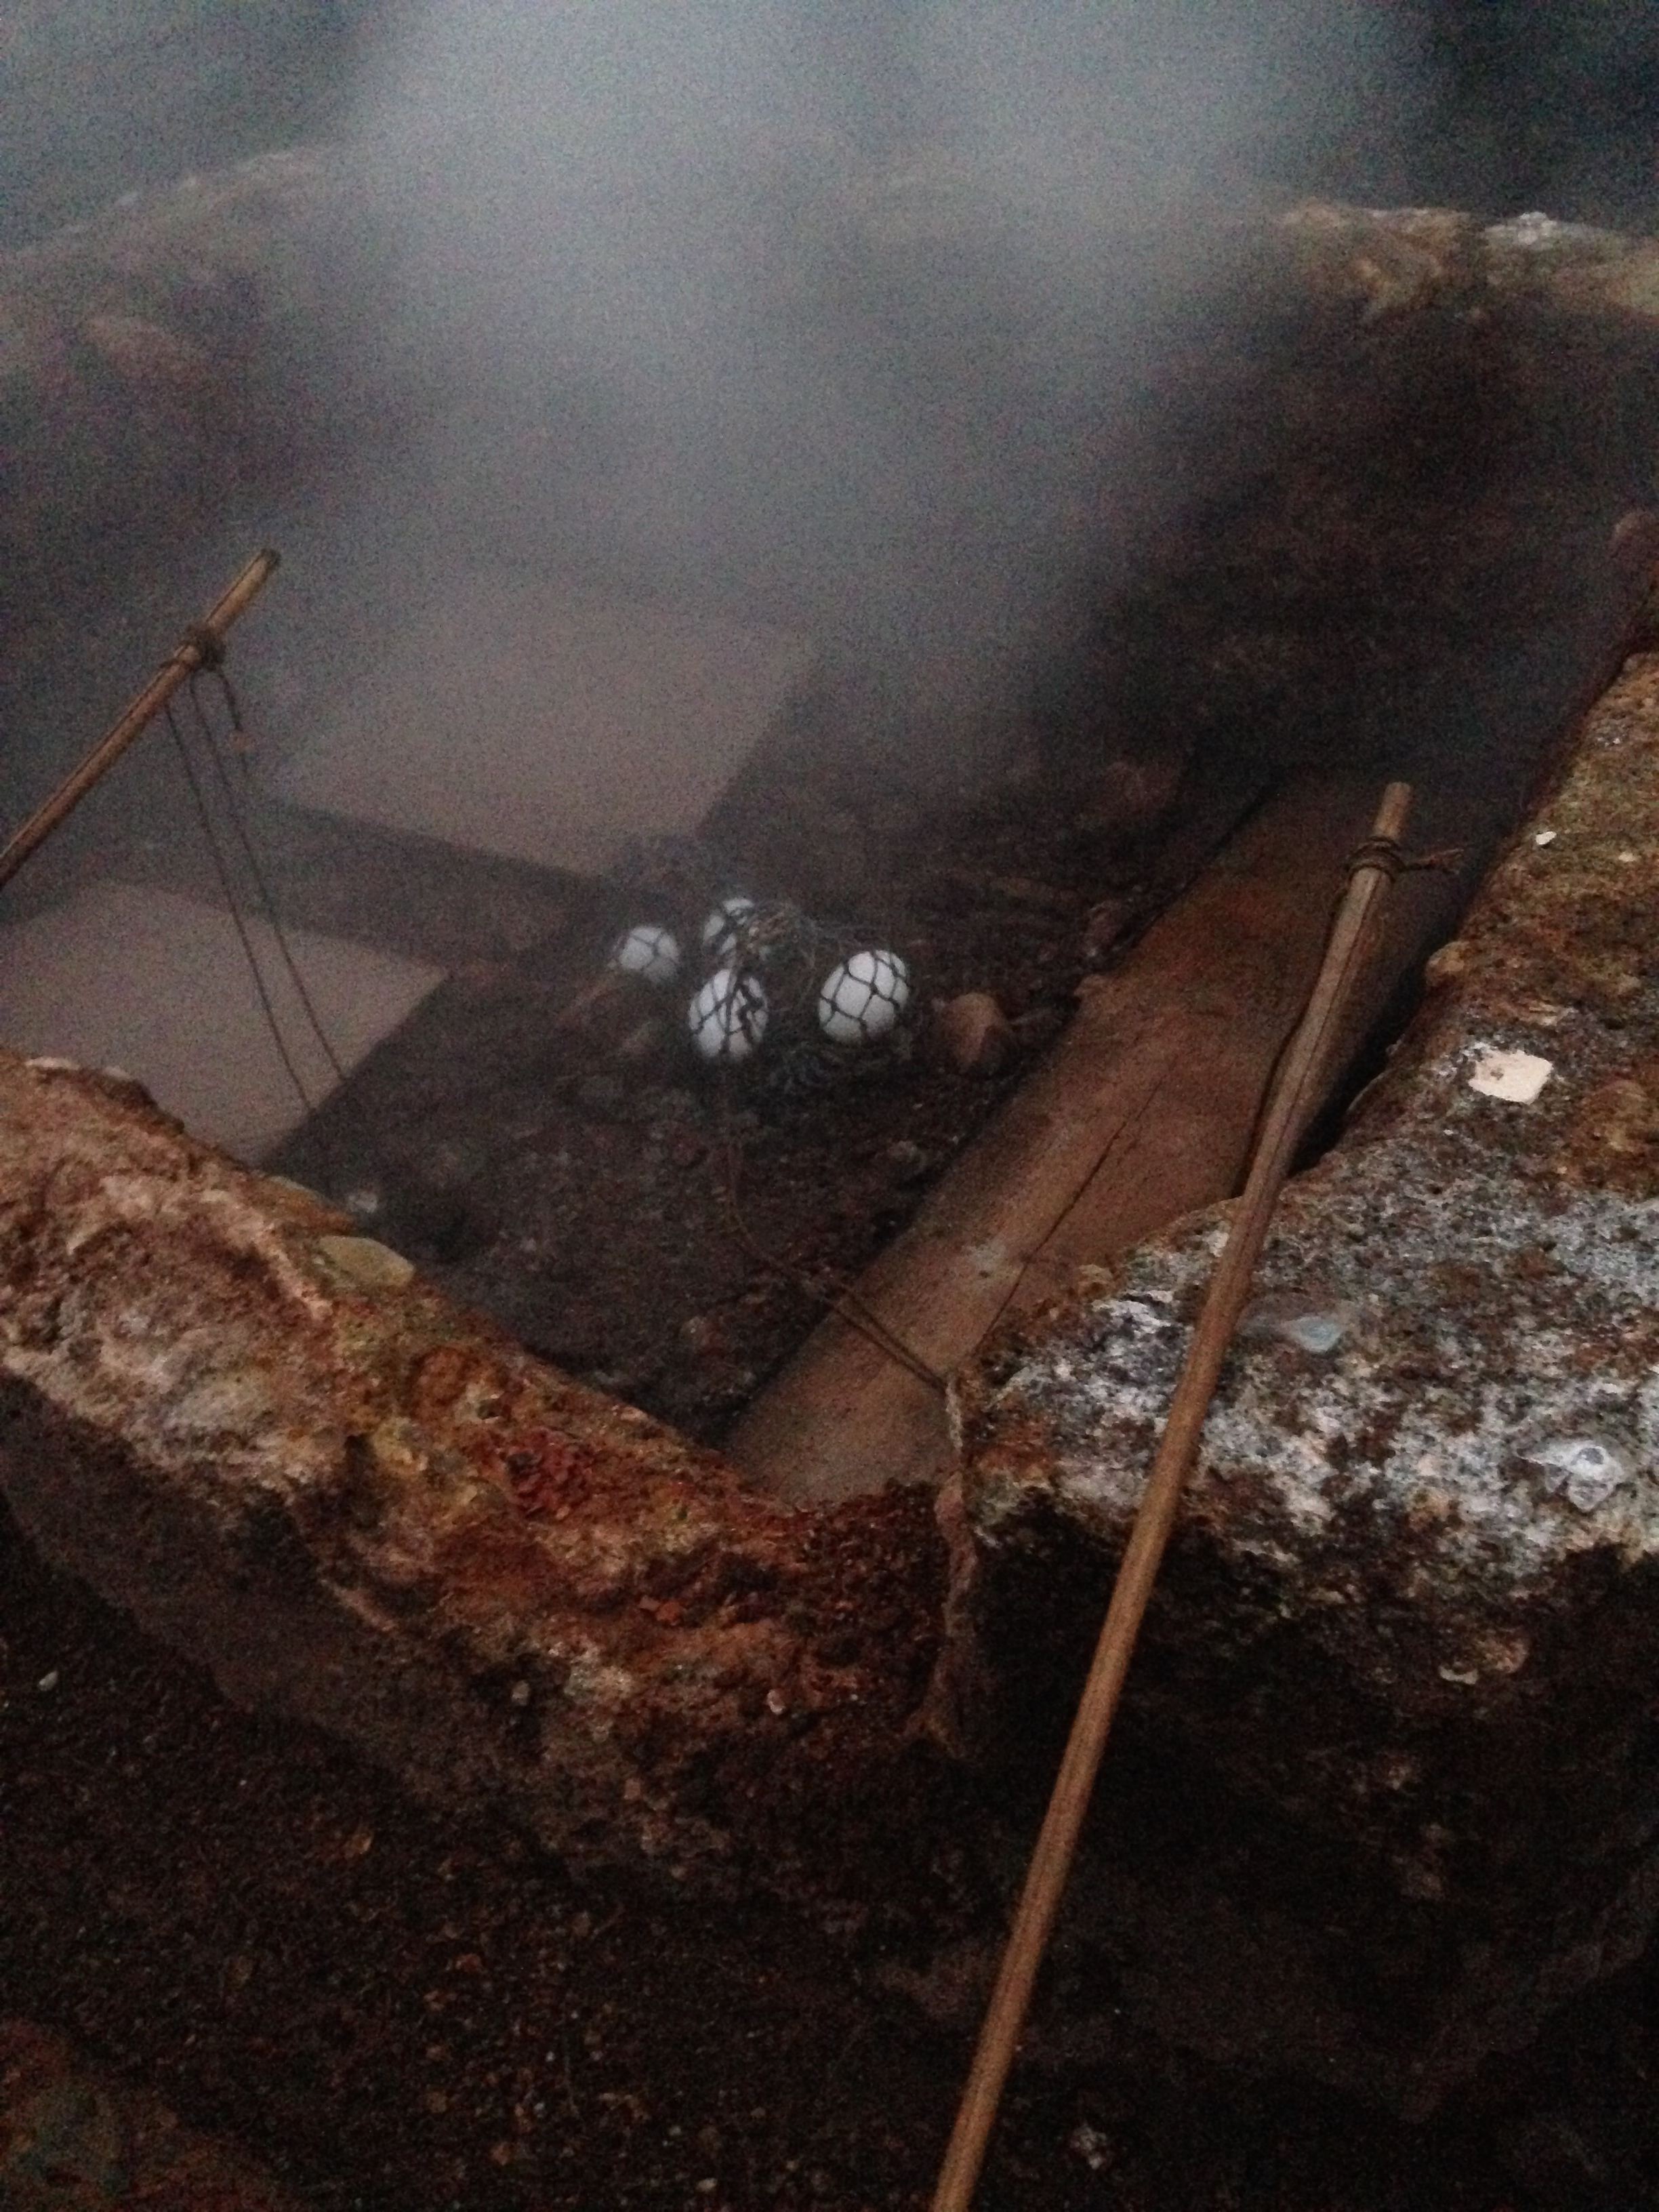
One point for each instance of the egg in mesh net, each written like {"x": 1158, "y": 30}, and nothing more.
{"x": 774, "y": 983}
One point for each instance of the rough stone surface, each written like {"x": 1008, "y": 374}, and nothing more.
{"x": 1404, "y": 1650}
{"x": 1389, "y": 262}
{"x": 290, "y": 1458}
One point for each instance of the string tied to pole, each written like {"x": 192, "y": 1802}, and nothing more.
{"x": 1390, "y": 858}
{"x": 828, "y": 1289}
{"x": 201, "y": 647}
{"x": 205, "y": 643}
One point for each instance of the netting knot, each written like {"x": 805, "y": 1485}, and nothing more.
{"x": 205, "y": 642}
{"x": 1386, "y": 855}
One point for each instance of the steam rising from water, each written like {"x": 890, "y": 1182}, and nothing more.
{"x": 850, "y": 316}
{"x": 835, "y": 314}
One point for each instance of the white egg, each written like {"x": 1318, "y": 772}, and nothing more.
{"x": 727, "y": 1017}
{"x": 648, "y": 950}
{"x": 722, "y": 931}
{"x": 863, "y": 998}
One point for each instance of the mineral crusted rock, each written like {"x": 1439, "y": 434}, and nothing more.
{"x": 291, "y": 1458}
{"x": 1387, "y": 1775}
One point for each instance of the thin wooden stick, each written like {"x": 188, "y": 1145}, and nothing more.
{"x": 1288, "y": 1111}
{"x": 200, "y": 648}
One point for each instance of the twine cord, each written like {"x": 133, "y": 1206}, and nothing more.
{"x": 832, "y": 1291}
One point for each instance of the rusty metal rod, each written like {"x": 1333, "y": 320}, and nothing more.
{"x": 1289, "y": 1109}
{"x": 199, "y": 648}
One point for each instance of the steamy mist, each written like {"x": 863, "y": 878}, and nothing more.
{"x": 848, "y": 319}
{"x": 831, "y": 314}
{"x": 709, "y": 960}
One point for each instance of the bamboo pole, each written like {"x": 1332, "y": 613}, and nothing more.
{"x": 1289, "y": 1108}
{"x": 200, "y": 647}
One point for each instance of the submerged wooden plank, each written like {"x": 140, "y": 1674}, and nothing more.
{"x": 1144, "y": 1110}
{"x": 159, "y": 985}
{"x": 545, "y": 723}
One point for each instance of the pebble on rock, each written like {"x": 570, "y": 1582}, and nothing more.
{"x": 974, "y": 1034}
{"x": 1518, "y": 1077}
{"x": 1314, "y": 1325}
{"x": 366, "y": 1264}
{"x": 1584, "y": 1469}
